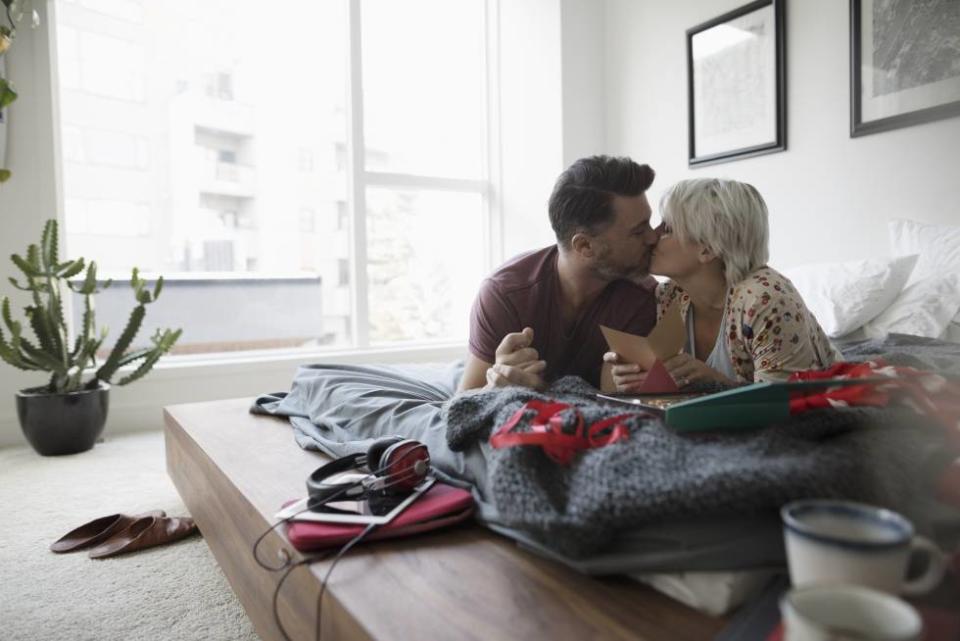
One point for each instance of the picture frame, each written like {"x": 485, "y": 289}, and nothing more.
{"x": 902, "y": 67}
{"x": 736, "y": 84}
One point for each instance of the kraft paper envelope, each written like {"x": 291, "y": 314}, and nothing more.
{"x": 664, "y": 341}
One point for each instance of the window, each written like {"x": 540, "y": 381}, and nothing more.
{"x": 177, "y": 160}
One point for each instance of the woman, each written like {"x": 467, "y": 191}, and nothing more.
{"x": 745, "y": 322}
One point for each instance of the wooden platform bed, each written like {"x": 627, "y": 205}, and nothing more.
{"x": 234, "y": 470}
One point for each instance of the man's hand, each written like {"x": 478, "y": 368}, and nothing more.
{"x": 517, "y": 362}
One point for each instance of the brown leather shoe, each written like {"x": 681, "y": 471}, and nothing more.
{"x": 97, "y": 531}
{"x": 143, "y": 533}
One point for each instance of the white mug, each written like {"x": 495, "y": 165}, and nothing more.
{"x": 832, "y": 541}
{"x": 847, "y": 613}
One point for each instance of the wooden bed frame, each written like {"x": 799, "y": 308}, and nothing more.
{"x": 234, "y": 470}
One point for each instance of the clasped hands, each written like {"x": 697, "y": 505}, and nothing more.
{"x": 683, "y": 368}
{"x": 517, "y": 362}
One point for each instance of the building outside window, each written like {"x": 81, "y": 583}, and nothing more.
{"x": 294, "y": 190}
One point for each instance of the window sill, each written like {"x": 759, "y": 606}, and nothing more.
{"x": 172, "y": 367}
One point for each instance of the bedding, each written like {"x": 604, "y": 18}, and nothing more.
{"x": 883, "y": 456}
{"x": 844, "y": 296}
{"x": 925, "y": 308}
{"x": 938, "y": 247}
{"x": 337, "y": 409}
{"x": 340, "y": 409}
{"x": 953, "y": 331}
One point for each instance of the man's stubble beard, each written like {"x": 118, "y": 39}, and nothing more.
{"x": 610, "y": 273}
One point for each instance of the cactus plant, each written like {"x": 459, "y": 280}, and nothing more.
{"x": 48, "y": 279}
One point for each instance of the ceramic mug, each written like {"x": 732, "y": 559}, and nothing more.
{"x": 832, "y": 541}
{"x": 838, "y": 612}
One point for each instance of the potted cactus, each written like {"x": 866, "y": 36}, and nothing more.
{"x": 66, "y": 415}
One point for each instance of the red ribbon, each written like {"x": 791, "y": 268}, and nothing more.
{"x": 546, "y": 431}
{"x": 926, "y": 393}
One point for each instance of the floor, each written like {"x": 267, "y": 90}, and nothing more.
{"x": 165, "y": 593}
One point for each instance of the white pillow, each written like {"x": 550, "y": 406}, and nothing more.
{"x": 937, "y": 245}
{"x": 844, "y": 296}
{"x": 926, "y": 308}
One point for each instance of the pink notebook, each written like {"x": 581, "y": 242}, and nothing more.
{"x": 440, "y": 506}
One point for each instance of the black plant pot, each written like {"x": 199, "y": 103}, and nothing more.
{"x": 58, "y": 424}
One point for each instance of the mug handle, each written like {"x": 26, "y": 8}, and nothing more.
{"x": 936, "y": 567}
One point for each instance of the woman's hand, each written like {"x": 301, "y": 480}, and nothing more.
{"x": 628, "y": 377}
{"x": 686, "y": 369}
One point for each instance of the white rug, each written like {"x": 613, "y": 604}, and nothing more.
{"x": 172, "y": 592}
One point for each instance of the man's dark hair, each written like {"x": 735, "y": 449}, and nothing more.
{"x": 582, "y": 197}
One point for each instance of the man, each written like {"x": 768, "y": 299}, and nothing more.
{"x": 537, "y": 317}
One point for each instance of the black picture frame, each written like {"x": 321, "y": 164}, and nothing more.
{"x": 723, "y": 122}
{"x": 709, "y": 142}
{"x": 903, "y": 94}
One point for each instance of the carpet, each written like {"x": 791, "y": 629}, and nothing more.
{"x": 169, "y": 592}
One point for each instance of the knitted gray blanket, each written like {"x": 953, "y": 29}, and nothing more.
{"x": 882, "y": 456}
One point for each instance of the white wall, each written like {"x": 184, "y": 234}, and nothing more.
{"x": 582, "y": 67}
{"x": 552, "y": 106}
{"x": 829, "y": 195}
{"x": 30, "y": 196}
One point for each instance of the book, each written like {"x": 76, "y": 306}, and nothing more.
{"x": 441, "y": 506}
{"x": 657, "y": 403}
{"x": 748, "y": 406}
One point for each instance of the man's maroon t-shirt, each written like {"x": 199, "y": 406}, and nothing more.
{"x": 525, "y": 292}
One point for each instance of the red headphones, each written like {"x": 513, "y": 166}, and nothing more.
{"x": 395, "y": 465}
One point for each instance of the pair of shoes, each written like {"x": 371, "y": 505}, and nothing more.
{"x": 119, "y": 533}
{"x": 97, "y": 531}
{"x": 146, "y": 532}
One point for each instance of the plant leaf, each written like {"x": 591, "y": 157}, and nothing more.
{"x": 7, "y": 93}
{"x": 72, "y": 269}
{"x": 8, "y": 317}
{"x": 33, "y": 257}
{"x": 48, "y": 243}
{"x": 109, "y": 368}
{"x": 25, "y": 266}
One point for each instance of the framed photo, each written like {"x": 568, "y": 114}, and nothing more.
{"x": 736, "y": 84}
{"x": 904, "y": 63}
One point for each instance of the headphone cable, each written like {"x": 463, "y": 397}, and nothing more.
{"x": 291, "y": 566}
{"x": 389, "y": 482}
{"x": 336, "y": 559}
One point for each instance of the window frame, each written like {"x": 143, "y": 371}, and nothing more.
{"x": 359, "y": 180}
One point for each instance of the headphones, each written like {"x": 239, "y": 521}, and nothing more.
{"x": 394, "y": 465}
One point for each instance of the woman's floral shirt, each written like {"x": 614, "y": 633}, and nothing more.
{"x": 770, "y": 332}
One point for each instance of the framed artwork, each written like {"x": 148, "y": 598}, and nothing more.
{"x": 736, "y": 84}
{"x": 904, "y": 63}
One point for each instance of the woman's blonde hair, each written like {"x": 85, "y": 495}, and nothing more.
{"x": 726, "y": 216}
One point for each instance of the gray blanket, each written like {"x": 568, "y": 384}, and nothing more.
{"x": 880, "y": 456}
{"x": 659, "y": 501}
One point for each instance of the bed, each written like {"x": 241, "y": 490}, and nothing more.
{"x": 905, "y": 308}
